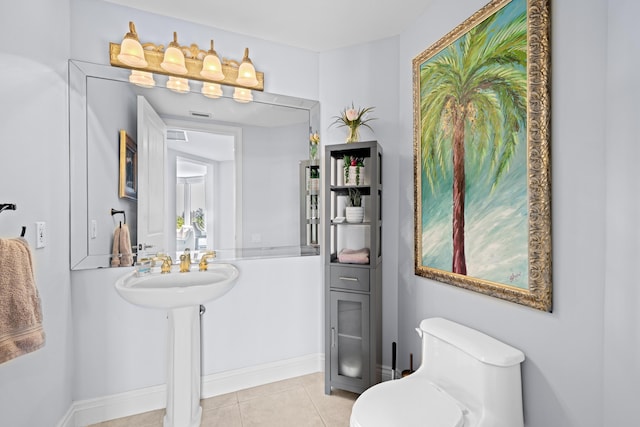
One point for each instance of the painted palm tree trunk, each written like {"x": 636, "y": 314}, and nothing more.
{"x": 459, "y": 264}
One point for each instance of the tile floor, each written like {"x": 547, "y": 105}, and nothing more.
{"x": 294, "y": 402}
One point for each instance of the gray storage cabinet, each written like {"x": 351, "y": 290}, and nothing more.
{"x": 353, "y": 291}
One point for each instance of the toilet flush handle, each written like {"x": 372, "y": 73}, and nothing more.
{"x": 419, "y": 331}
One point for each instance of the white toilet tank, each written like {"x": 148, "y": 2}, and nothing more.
{"x": 480, "y": 372}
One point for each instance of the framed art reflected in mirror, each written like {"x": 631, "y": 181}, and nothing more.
{"x": 482, "y": 188}
{"x": 128, "y": 187}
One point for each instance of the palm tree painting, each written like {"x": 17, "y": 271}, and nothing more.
{"x": 473, "y": 151}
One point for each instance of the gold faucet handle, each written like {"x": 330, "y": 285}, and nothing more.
{"x": 203, "y": 260}
{"x": 158, "y": 257}
{"x": 166, "y": 265}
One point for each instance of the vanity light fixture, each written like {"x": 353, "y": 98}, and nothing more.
{"x": 131, "y": 52}
{"x": 188, "y": 62}
{"x": 178, "y": 84}
{"x": 247, "y": 72}
{"x": 174, "y": 58}
{"x": 242, "y": 95}
{"x": 211, "y": 90}
{"x": 211, "y": 66}
{"x": 142, "y": 78}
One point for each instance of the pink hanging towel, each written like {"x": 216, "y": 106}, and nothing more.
{"x": 21, "y": 329}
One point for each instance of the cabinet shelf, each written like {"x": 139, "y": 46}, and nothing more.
{"x": 351, "y": 337}
{"x": 350, "y": 223}
{"x": 310, "y": 208}
{"x": 353, "y": 292}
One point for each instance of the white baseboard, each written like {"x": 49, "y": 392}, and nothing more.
{"x": 92, "y": 411}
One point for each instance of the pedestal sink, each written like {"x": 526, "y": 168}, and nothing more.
{"x": 181, "y": 294}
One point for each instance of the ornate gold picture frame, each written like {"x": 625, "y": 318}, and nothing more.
{"x": 128, "y": 187}
{"x": 482, "y": 178}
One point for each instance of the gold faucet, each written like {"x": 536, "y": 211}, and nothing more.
{"x": 166, "y": 262}
{"x": 185, "y": 261}
{"x": 203, "y": 261}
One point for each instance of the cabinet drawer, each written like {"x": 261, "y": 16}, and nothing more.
{"x": 356, "y": 279}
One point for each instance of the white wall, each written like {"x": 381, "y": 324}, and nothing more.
{"x": 270, "y": 183}
{"x": 35, "y": 389}
{"x": 365, "y": 75}
{"x": 621, "y": 292}
{"x": 563, "y": 372}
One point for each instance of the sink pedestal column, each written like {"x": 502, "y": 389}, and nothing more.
{"x": 183, "y": 373}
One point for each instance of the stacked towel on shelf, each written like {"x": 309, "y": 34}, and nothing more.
{"x": 21, "y": 329}
{"x": 354, "y": 256}
{"x": 121, "y": 255}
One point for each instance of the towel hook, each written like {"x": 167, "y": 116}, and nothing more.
{"x": 124, "y": 215}
{"x": 12, "y": 207}
{"x": 7, "y": 207}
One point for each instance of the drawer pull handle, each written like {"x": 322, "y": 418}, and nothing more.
{"x": 333, "y": 337}
{"x": 351, "y": 279}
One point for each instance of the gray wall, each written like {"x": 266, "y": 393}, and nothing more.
{"x": 35, "y": 389}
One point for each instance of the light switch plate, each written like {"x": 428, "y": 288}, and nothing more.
{"x": 41, "y": 234}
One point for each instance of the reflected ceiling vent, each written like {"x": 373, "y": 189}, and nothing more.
{"x": 200, "y": 114}
{"x": 177, "y": 135}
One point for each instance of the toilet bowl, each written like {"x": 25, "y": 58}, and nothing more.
{"x": 466, "y": 379}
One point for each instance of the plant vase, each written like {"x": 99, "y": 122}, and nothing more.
{"x": 354, "y": 135}
{"x": 353, "y": 175}
{"x": 313, "y": 152}
{"x": 314, "y": 185}
{"x": 354, "y": 214}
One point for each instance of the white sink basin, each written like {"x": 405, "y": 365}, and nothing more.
{"x": 174, "y": 290}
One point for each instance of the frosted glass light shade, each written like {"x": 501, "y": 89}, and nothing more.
{"x": 247, "y": 72}
{"x": 178, "y": 84}
{"x": 211, "y": 66}
{"x": 142, "y": 78}
{"x": 173, "y": 61}
{"x": 131, "y": 52}
{"x": 211, "y": 90}
{"x": 242, "y": 95}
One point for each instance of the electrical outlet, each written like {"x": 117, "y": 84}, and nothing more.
{"x": 41, "y": 234}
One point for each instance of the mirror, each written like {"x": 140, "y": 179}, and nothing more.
{"x": 230, "y": 177}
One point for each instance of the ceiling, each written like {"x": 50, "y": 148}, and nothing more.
{"x": 314, "y": 25}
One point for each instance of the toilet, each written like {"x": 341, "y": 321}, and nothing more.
{"x": 466, "y": 379}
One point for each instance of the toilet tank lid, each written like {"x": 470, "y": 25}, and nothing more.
{"x": 476, "y": 344}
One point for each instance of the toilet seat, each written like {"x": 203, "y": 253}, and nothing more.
{"x": 409, "y": 402}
